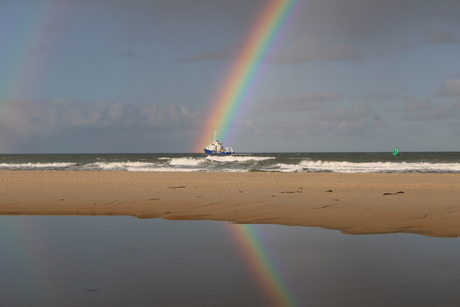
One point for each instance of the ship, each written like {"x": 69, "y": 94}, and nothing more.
{"x": 216, "y": 148}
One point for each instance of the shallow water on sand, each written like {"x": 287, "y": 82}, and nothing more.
{"x": 124, "y": 261}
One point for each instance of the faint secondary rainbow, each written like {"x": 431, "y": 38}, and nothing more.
{"x": 30, "y": 253}
{"x": 261, "y": 261}
{"x": 22, "y": 60}
{"x": 236, "y": 87}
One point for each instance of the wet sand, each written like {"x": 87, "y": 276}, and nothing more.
{"x": 427, "y": 204}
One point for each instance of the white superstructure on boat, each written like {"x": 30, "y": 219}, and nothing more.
{"x": 217, "y": 149}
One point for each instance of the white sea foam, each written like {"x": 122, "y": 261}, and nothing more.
{"x": 285, "y": 168}
{"x": 237, "y": 158}
{"x": 238, "y": 165}
{"x": 287, "y": 163}
{"x": 377, "y": 167}
{"x": 18, "y": 166}
{"x": 174, "y": 165}
{"x": 186, "y": 161}
{"x": 114, "y": 166}
{"x": 163, "y": 169}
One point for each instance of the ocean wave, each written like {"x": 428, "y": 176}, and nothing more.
{"x": 247, "y": 158}
{"x": 31, "y": 166}
{"x": 270, "y": 162}
{"x": 186, "y": 161}
{"x": 163, "y": 169}
{"x": 377, "y": 167}
{"x": 118, "y": 166}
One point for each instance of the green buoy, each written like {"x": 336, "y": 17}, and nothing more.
{"x": 395, "y": 152}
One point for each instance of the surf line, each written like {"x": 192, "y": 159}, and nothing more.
{"x": 261, "y": 261}
{"x": 232, "y": 97}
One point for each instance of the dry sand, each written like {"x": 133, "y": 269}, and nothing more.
{"x": 427, "y": 204}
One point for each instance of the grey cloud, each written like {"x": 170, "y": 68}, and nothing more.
{"x": 356, "y": 120}
{"x": 223, "y": 54}
{"x": 437, "y": 35}
{"x": 368, "y": 21}
{"x": 299, "y": 102}
{"x": 450, "y": 88}
{"x": 439, "y": 111}
{"x": 456, "y": 129}
{"x": 413, "y": 104}
{"x": 425, "y": 111}
{"x": 318, "y": 97}
{"x": 285, "y": 127}
{"x": 386, "y": 94}
{"x": 417, "y": 129}
{"x": 128, "y": 53}
{"x": 179, "y": 23}
{"x": 49, "y": 117}
{"x": 354, "y": 30}
{"x": 457, "y": 104}
{"x": 39, "y": 49}
{"x": 302, "y": 50}
{"x": 308, "y": 50}
{"x": 351, "y": 127}
{"x": 377, "y": 121}
{"x": 55, "y": 26}
{"x": 340, "y": 113}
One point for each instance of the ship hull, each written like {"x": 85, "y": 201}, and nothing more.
{"x": 217, "y": 153}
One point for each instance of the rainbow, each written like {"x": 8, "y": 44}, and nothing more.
{"x": 231, "y": 101}
{"x": 264, "y": 267}
{"x": 22, "y": 60}
{"x": 28, "y": 249}
{"x": 232, "y": 98}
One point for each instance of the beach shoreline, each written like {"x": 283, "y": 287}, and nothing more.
{"x": 358, "y": 203}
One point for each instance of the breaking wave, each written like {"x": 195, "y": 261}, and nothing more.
{"x": 277, "y": 162}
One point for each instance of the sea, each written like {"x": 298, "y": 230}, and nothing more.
{"x": 338, "y": 162}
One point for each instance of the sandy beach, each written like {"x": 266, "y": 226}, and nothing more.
{"x": 370, "y": 203}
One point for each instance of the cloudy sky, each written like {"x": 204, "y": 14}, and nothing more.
{"x": 89, "y": 76}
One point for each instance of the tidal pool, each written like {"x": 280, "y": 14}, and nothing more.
{"x": 124, "y": 261}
